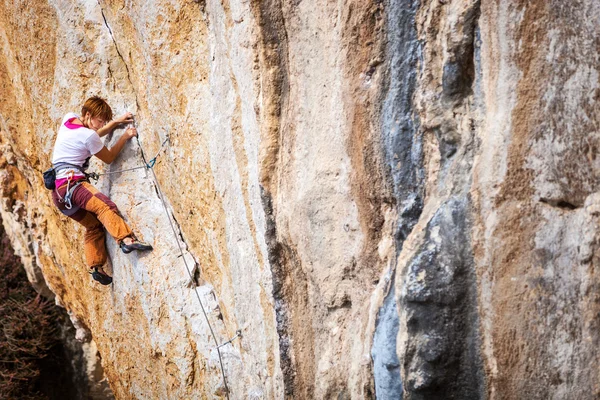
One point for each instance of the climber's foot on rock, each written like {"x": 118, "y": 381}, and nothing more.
{"x": 130, "y": 244}
{"x": 99, "y": 275}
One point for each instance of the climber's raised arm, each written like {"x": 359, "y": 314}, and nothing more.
{"x": 109, "y": 155}
{"x": 111, "y": 125}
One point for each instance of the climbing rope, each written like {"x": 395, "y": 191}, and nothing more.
{"x": 187, "y": 267}
{"x": 150, "y": 165}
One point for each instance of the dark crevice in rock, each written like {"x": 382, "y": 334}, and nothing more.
{"x": 292, "y": 312}
{"x": 442, "y": 357}
{"x": 93, "y": 386}
{"x": 403, "y": 149}
{"x": 448, "y": 143}
{"x": 201, "y": 4}
{"x": 196, "y": 272}
{"x": 566, "y": 205}
{"x": 459, "y": 69}
{"x": 560, "y": 203}
{"x": 385, "y": 358}
{"x": 478, "y": 95}
{"x": 197, "y": 275}
{"x": 292, "y": 308}
{"x": 274, "y": 64}
{"x": 402, "y": 142}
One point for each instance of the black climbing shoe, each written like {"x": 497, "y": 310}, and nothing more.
{"x": 135, "y": 245}
{"x": 99, "y": 275}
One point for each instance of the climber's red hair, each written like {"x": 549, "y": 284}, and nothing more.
{"x": 97, "y": 107}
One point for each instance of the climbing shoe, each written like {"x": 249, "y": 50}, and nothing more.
{"x": 99, "y": 275}
{"x": 135, "y": 245}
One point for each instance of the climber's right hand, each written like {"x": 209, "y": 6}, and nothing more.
{"x": 130, "y": 133}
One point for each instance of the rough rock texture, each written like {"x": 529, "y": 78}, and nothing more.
{"x": 388, "y": 199}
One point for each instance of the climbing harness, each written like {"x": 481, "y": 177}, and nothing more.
{"x": 50, "y": 174}
{"x": 67, "y": 200}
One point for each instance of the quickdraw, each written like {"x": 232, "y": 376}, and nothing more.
{"x": 67, "y": 200}
{"x": 148, "y": 165}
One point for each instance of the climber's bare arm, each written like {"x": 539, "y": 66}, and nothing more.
{"x": 109, "y": 155}
{"x": 110, "y": 126}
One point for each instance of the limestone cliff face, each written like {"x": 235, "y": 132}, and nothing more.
{"x": 391, "y": 198}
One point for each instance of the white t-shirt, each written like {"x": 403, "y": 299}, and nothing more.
{"x": 74, "y": 144}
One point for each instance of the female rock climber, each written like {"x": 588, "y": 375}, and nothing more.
{"x": 78, "y": 139}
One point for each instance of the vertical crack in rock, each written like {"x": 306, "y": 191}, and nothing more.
{"x": 120, "y": 56}
{"x": 388, "y": 384}
{"x": 196, "y": 271}
{"x": 436, "y": 309}
{"x": 274, "y": 85}
{"x": 441, "y": 355}
{"x": 402, "y": 143}
{"x": 289, "y": 282}
{"x": 459, "y": 69}
{"x": 402, "y": 147}
{"x": 290, "y": 300}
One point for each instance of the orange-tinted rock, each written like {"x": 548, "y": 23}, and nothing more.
{"x": 321, "y": 154}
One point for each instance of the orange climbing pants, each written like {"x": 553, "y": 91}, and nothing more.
{"x": 96, "y": 212}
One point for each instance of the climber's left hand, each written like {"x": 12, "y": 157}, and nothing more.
{"x": 124, "y": 119}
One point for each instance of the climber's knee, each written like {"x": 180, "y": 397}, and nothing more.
{"x": 89, "y": 221}
{"x": 104, "y": 198}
